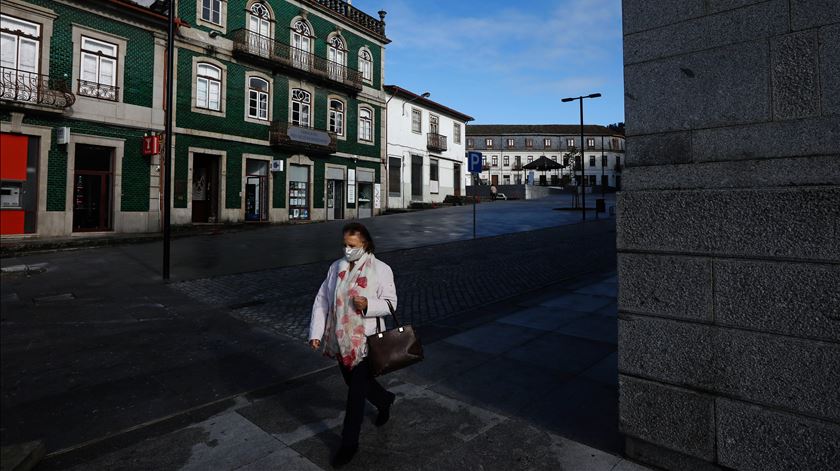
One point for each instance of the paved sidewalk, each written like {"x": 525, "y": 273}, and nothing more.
{"x": 524, "y": 385}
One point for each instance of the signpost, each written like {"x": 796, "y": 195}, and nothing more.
{"x": 474, "y": 162}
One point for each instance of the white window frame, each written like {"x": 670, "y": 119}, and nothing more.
{"x": 470, "y": 143}
{"x": 199, "y": 15}
{"x": 570, "y": 143}
{"x": 362, "y": 126}
{"x": 336, "y": 57}
{"x": 366, "y": 64}
{"x": 434, "y": 124}
{"x": 249, "y": 91}
{"x": 209, "y": 81}
{"x": 78, "y": 33}
{"x": 488, "y": 143}
{"x": 302, "y": 99}
{"x": 302, "y": 37}
{"x": 590, "y": 142}
{"x": 416, "y": 121}
{"x": 456, "y": 133}
{"x": 546, "y": 142}
{"x": 91, "y": 87}
{"x": 339, "y": 117}
{"x": 510, "y": 143}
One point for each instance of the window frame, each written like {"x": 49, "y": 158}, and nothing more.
{"x": 209, "y": 23}
{"x": 590, "y": 142}
{"x": 592, "y": 161}
{"x": 570, "y": 143}
{"x": 342, "y": 113}
{"x": 366, "y": 60}
{"x": 456, "y": 133}
{"x": 302, "y": 104}
{"x": 510, "y": 143}
{"x": 391, "y": 179}
{"x": 506, "y": 161}
{"x": 209, "y": 80}
{"x": 529, "y": 142}
{"x": 84, "y": 100}
{"x": 372, "y": 120}
{"x": 547, "y": 142}
{"x": 419, "y": 122}
{"x": 470, "y": 143}
{"x": 197, "y": 63}
{"x": 434, "y": 124}
{"x": 269, "y": 98}
{"x": 488, "y": 142}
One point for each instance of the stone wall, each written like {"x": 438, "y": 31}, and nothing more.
{"x": 729, "y": 234}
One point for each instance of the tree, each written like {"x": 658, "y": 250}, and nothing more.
{"x": 617, "y": 127}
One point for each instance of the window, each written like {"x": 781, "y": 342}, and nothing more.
{"x": 590, "y": 142}
{"x": 394, "y": 176}
{"x": 565, "y": 160}
{"x": 554, "y": 158}
{"x": 21, "y": 44}
{"x": 365, "y": 124}
{"x": 530, "y": 158}
{"x": 211, "y": 10}
{"x": 208, "y": 87}
{"x": 507, "y": 160}
{"x": 603, "y": 161}
{"x": 258, "y": 98}
{"x": 416, "y": 120}
{"x": 301, "y": 44}
{"x": 336, "y": 57}
{"x": 618, "y": 160}
{"x": 488, "y": 143}
{"x": 336, "y": 117}
{"x": 98, "y": 69}
{"x": 433, "y": 124}
{"x": 529, "y": 142}
{"x": 506, "y": 179}
{"x": 301, "y": 102}
{"x": 591, "y": 160}
{"x": 518, "y": 160}
{"x": 470, "y": 143}
{"x": 510, "y": 143}
{"x": 433, "y": 170}
{"x": 495, "y": 160}
{"x": 366, "y": 65}
{"x": 456, "y": 133}
{"x": 546, "y": 143}
{"x": 592, "y": 180}
{"x": 570, "y": 143}
{"x": 259, "y": 25}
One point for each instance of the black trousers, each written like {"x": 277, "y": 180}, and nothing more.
{"x": 361, "y": 385}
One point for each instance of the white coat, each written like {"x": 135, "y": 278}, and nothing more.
{"x": 377, "y": 307}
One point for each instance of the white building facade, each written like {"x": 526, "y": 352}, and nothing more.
{"x": 506, "y": 148}
{"x": 426, "y": 144}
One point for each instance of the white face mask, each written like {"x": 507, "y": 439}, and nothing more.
{"x": 351, "y": 254}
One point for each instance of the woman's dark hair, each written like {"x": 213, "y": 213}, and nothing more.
{"x": 354, "y": 228}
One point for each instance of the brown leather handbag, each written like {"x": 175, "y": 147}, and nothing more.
{"x": 391, "y": 350}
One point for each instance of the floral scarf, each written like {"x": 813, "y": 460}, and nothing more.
{"x": 345, "y": 330}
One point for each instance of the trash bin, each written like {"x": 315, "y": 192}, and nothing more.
{"x": 600, "y": 205}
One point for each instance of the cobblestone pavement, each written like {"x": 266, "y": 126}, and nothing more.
{"x": 433, "y": 282}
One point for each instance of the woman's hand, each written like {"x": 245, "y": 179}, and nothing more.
{"x": 360, "y": 303}
{"x": 315, "y": 344}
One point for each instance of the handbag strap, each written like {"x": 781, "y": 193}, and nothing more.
{"x": 393, "y": 313}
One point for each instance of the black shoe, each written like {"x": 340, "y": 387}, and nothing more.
{"x": 343, "y": 456}
{"x": 385, "y": 413}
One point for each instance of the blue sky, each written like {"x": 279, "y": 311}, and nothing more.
{"x": 508, "y": 62}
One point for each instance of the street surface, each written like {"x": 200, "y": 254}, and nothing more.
{"x": 95, "y": 343}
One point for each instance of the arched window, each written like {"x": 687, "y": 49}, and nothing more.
{"x": 336, "y": 118}
{"x": 366, "y": 65}
{"x": 337, "y": 57}
{"x": 208, "y": 87}
{"x": 301, "y": 102}
{"x": 365, "y": 124}
{"x": 301, "y": 44}
{"x": 259, "y": 27}
{"x": 258, "y": 98}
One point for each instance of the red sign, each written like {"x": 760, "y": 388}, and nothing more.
{"x": 151, "y": 145}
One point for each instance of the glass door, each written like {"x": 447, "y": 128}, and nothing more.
{"x": 298, "y": 193}
{"x": 92, "y": 189}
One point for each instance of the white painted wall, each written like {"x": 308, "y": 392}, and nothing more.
{"x": 403, "y": 143}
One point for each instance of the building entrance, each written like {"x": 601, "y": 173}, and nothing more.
{"x": 205, "y": 188}
{"x": 92, "y": 188}
{"x": 256, "y": 190}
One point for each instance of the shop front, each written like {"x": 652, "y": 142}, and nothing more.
{"x": 335, "y": 193}
{"x": 299, "y": 188}
{"x": 365, "y": 181}
{"x": 18, "y": 183}
{"x": 256, "y": 190}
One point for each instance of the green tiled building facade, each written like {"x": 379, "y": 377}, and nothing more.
{"x": 278, "y": 114}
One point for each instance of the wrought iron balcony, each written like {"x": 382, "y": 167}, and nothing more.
{"x": 516, "y": 167}
{"x": 278, "y": 55}
{"x": 293, "y": 137}
{"x": 485, "y": 167}
{"x": 21, "y": 88}
{"x": 435, "y": 142}
{"x": 98, "y": 90}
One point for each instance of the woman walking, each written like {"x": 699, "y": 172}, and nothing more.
{"x": 352, "y": 299}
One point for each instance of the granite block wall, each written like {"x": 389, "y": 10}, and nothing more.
{"x": 729, "y": 234}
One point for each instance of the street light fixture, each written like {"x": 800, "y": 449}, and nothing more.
{"x": 424, "y": 95}
{"x": 582, "y": 168}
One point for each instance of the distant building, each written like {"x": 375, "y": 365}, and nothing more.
{"x": 425, "y": 149}
{"x": 506, "y": 148}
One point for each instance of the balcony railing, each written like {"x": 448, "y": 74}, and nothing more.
{"x": 618, "y": 167}
{"x": 98, "y": 90}
{"x": 516, "y": 167}
{"x": 435, "y": 142}
{"x": 301, "y": 138}
{"x": 274, "y": 53}
{"x": 343, "y": 8}
{"x": 25, "y": 87}
{"x": 485, "y": 167}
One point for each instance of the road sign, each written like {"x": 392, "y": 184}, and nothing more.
{"x": 474, "y": 162}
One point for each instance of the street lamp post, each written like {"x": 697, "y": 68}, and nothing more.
{"x": 582, "y": 167}
{"x": 168, "y": 147}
